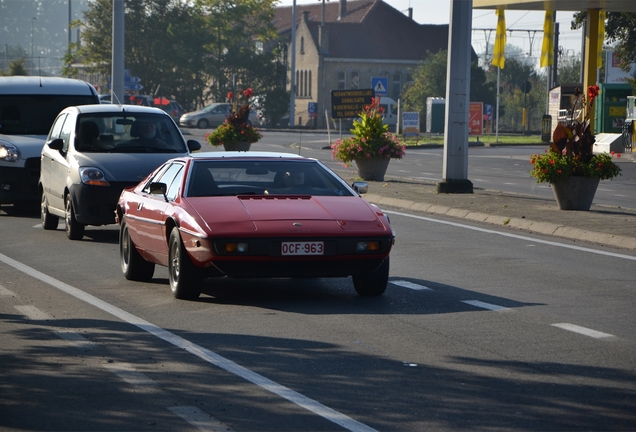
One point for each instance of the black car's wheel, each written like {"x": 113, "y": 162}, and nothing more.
{"x": 49, "y": 222}
{"x": 203, "y": 124}
{"x": 74, "y": 229}
{"x": 185, "y": 278}
{"x": 374, "y": 283}
{"x": 133, "y": 265}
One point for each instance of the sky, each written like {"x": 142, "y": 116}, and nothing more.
{"x": 438, "y": 12}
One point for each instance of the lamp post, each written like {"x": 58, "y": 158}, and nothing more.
{"x": 32, "y": 66}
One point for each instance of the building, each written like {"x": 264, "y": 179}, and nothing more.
{"x": 345, "y": 44}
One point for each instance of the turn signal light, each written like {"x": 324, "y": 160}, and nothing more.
{"x": 236, "y": 247}
{"x": 372, "y": 246}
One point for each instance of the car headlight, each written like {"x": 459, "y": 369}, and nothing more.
{"x": 370, "y": 246}
{"x": 93, "y": 176}
{"x": 9, "y": 152}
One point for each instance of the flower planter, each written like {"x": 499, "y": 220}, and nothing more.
{"x": 372, "y": 169}
{"x": 575, "y": 193}
{"x": 237, "y": 146}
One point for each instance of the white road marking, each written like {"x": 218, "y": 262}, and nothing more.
{"x": 515, "y": 236}
{"x": 584, "y": 331}
{"x": 203, "y": 353}
{"x": 128, "y": 373}
{"x": 33, "y": 313}
{"x": 483, "y": 305}
{"x": 199, "y": 419}
{"x": 6, "y": 292}
{"x": 76, "y": 339}
{"x": 410, "y": 285}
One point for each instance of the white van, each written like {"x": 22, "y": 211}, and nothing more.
{"x": 28, "y": 107}
{"x": 390, "y": 111}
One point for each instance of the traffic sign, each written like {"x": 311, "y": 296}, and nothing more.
{"x": 380, "y": 85}
{"x": 476, "y": 118}
{"x": 312, "y": 109}
{"x": 350, "y": 103}
{"x": 128, "y": 86}
{"x": 128, "y": 79}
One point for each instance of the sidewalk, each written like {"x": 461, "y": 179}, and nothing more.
{"x": 606, "y": 225}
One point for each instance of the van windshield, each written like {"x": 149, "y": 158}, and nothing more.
{"x": 34, "y": 114}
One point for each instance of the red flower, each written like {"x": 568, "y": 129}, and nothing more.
{"x": 230, "y": 95}
{"x": 247, "y": 93}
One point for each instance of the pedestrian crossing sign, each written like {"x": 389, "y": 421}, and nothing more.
{"x": 380, "y": 85}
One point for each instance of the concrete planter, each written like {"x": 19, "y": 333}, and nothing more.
{"x": 372, "y": 169}
{"x": 575, "y": 193}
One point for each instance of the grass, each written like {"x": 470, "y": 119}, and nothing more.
{"x": 508, "y": 139}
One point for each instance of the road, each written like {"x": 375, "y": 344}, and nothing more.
{"x": 479, "y": 329}
{"x": 505, "y": 168}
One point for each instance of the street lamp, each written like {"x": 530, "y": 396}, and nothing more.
{"x": 32, "y": 19}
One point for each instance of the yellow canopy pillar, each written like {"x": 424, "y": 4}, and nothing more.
{"x": 591, "y": 55}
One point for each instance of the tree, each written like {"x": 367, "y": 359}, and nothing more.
{"x": 16, "y": 67}
{"x": 620, "y": 29}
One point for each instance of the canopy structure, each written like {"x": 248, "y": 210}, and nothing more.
{"x": 593, "y": 7}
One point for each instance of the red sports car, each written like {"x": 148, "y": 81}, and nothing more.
{"x": 251, "y": 214}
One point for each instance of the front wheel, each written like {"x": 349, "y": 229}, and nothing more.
{"x": 74, "y": 229}
{"x": 374, "y": 283}
{"x": 49, "y": 221}
{"x": 203, "y": 124}
{"x": 133, "y": 265}
{"x": 185, "y": 277}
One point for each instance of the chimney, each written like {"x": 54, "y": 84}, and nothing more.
{"x": 306, "y": 15}
{"x": 411, "y": 13}
{"x": 343, "y": 9}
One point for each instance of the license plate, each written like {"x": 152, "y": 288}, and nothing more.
{"x": 302, "y": 248}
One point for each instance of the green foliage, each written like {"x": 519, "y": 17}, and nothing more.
{"x": 236, "y": 127}
{"x": 16, "y": 67}
{"x": 553, "y": 166}
{"x": 275, "y": 105}
{"x": 371, "y": 138}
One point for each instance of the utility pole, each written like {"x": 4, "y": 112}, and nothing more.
{"x": 292, "y": 92}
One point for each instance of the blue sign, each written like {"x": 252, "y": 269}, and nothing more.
{"x": 380, "y": 85}
{"x": 128, "y": 79}
{"x": 128, "y": 86}
{"x": 312, "y": 109}
{"x": 488, "y": 109}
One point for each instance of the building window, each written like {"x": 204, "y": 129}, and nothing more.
{"x": 309, "y": 94}
{"x": 305, "y": 83}
{"x": 342, "y": 80}
{"x": 397, "y": 85}
{"x": 355, "y": 80}
{"x": 302, "y": 45}
{"x": 297, "y": 83}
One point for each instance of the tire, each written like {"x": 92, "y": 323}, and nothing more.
{"x": 133, "y": 265}
{"x": 74, "y": 229}
{"x": 203, "y": 124}
{"x": 374, "y": 283}
{"x": 185, "y": 279}
{"x": 49, "y": 222}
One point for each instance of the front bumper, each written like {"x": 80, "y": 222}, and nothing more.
{"x": 20, "y": 185}
{"x": 95, "y": 205}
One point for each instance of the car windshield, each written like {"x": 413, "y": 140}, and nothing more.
{"x": 120, "y": 132}
{"x": 34, "y": 114}
{"x": 235, "y": 177}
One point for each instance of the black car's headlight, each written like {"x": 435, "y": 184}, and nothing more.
{"x": 93, "y": 176}
{"x": 9, "y": 152}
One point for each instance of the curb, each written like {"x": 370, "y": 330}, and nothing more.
{"x": 545, "y": 228}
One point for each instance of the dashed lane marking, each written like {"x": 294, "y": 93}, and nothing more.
{"x": 199, "y": 419}
{"x": 484, "y": 305}
{"x": 33, "y": 313}
{"x": 410, "y": 285}
{"x": 584, "y": 331}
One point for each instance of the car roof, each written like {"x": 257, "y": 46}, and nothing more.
{"x": 114, "y": 108}
{"x": 22, "y": 85}
{"x": 246, "y": 155}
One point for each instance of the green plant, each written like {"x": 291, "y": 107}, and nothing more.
{"x": 371, "y": 138}
{"x": 236, "y": 127}
{"x": 571, "y": 152}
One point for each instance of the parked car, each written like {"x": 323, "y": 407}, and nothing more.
{"x": 93, "y": 152}
{"x": 211, "y": 116}
{"x": 28, "y": 106}
{"x": 174, "y": 109}
{"x": 251, "y": 214}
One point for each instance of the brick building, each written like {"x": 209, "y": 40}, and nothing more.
{"x": 360, "y": 40}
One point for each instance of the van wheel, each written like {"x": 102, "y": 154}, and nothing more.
{"x": 49, "y": 222}
{"x": 133, "y": 265}
{"x": 374, "y": 283}
{"x": 74, "y": 229}
{"x": 185, "y": 278}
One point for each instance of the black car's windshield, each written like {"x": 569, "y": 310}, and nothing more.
{"x": 34, "y": 114}
{"x": 231, "y": 177}
{"x": 128, "y": 133}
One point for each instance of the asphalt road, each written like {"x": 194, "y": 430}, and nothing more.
{"x": 477, "y": 330}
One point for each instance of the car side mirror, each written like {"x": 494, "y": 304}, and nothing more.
{"x": 194, "y": 145}
{"x": 360, "y": 187}
{"x": 56, "y": 144}
{"x": 157, "y": 188}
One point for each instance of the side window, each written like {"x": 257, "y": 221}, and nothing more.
{"x": 65, "y": 133}
{"x": 173, "y": 188}
{"x": 57, "y": 127}
{"x": 172, "y": 178}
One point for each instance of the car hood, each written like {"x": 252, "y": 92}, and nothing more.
{"x": 125, "y": 167}
{"x": 30, "y": 145}
{"x": 275, "y": 214}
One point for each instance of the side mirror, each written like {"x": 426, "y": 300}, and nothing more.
{"x": 56, "y": 144}
{"x": 360, "y": 187}
{"x": 158, "y": 188}
{"x": 194, "y": 145}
